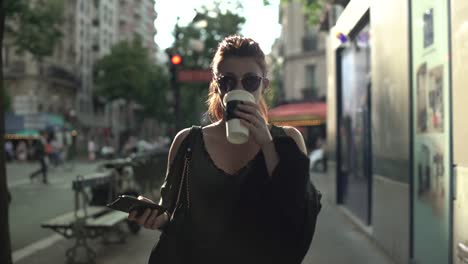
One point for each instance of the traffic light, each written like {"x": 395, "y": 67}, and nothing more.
{"x": 176, "y": 59}
{"x": 175, "y": 62}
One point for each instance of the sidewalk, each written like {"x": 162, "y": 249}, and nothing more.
{"x": 336, "y": 241}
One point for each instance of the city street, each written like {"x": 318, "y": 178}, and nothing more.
{"x": 337, "y": 240}
{"x": 34, "y": 202}
{"x": 372, "y": 91}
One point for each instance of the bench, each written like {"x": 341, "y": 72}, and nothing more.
{"x": 88, "y": 222}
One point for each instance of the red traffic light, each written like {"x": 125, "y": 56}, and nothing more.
{"x": 176, "y": 59}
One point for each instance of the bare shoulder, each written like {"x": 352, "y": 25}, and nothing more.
{"x": 178, "y": 139}
{"x": 213, "y": 132}
{"x": 296, "y": 135}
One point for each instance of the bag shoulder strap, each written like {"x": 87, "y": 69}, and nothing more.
{"x": 277, "y": 131}
{"x": 184, "y": 177}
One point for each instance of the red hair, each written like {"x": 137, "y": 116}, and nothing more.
{"x": 234, "y": 46}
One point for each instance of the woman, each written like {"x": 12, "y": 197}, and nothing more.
{"x": 247, "y": 200}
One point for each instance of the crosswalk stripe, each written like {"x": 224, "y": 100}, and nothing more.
{"x": 35, "y": 247}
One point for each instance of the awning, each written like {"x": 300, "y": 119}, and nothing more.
{"x": 299, "y": 114}
{"x": 23, "y": 134}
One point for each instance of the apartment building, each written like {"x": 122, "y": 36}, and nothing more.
{"x": 303, "y": 52}
{"x": 62, "y": 84}
{"x": 106, "y": 27}
{"x": 137, "y": 18}
{"x": 83, "y": 37}
{"x": 49, "y": 86}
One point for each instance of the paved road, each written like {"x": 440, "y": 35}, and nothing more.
{"x": 34, "y": 202}
{"x": 337, "y": 241}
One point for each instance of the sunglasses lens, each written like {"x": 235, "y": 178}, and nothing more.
{"x": 251, "y": 83}
{"x": 227, "y": 83}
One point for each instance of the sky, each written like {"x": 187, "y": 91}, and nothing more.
{"x": 261, "y": 21}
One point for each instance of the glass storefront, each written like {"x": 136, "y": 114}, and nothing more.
{"x": 355, "y": 178}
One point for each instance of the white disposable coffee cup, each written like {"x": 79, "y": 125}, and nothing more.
{"x": 236, "y": 133}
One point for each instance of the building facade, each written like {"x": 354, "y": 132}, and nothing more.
{"x": 50, "y": 85}
{"x": 137, "y": 19}
{"x": 63, "y": 84}
{"x": 85, "y": 12}
{"x": 303, "y": 52}
{"x": 395, "y": 128}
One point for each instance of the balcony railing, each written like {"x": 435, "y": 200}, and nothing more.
{"x": 60, "y": 74}
{"x": 310, "y": 93}
{"x": 15, "y": 69}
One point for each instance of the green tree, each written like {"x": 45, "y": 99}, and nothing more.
{"x": 219, "y": 23}
{"x": 276, "y": 93}
{"x": 128, "y": 73}
{"x": 36, "y": 26}
{"x": 312, "y": 8}
{"x": 6, "y": 100}
{"x": 5, "y": 249}
{"x": 33, "y": 28}
{"x": 154, "y": 96}
{"x": 123, "y": 72}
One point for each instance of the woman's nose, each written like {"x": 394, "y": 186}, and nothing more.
{"x": 238, "y": 85}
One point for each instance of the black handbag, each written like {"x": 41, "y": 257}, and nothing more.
{"x": 174, "y": 245}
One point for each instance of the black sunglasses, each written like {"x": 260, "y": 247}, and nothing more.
{"x": 227, "y": 83}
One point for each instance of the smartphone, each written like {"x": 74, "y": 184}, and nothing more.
{"x": 128, "y": 203}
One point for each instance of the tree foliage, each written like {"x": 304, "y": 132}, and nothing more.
{"x": 128, "y": 73}
{"x": 312, "y": 8}
{"x": 6, "y": 100}
{"x": 34, "y": 27}
{"x": 276, "y": 93}
{"x": 219, "y": 23}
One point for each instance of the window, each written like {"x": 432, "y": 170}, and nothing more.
{"x": 310, "y": 76}
{"x": 310, "y": 90}
{"x": 309, "y": 40}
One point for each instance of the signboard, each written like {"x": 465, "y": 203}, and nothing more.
{"x": 431, "y": 131}
{"x": 194, "y": 76}
{"x": 25, "y": 104}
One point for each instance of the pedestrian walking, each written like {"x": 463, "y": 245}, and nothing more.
{"x": 91, "y": 149}
{"x": 237, "y": 190}
{"x": 21, "y": 151}
{"x": 9, "y": 151}
{"x": 55, "y": 149}
{"x": 40, "y": 155}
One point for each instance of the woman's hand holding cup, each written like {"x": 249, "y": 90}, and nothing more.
{"x": 252, "y": 118}
{"x": 150, "y": 219}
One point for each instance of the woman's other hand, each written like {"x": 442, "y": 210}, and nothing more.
{"x": 149, "y": 219}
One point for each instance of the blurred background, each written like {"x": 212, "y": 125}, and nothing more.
{"x": 93, "y": 92}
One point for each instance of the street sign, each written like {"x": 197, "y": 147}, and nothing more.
{"x": 25, "y": 104}
{"x": 194, "y": 76}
